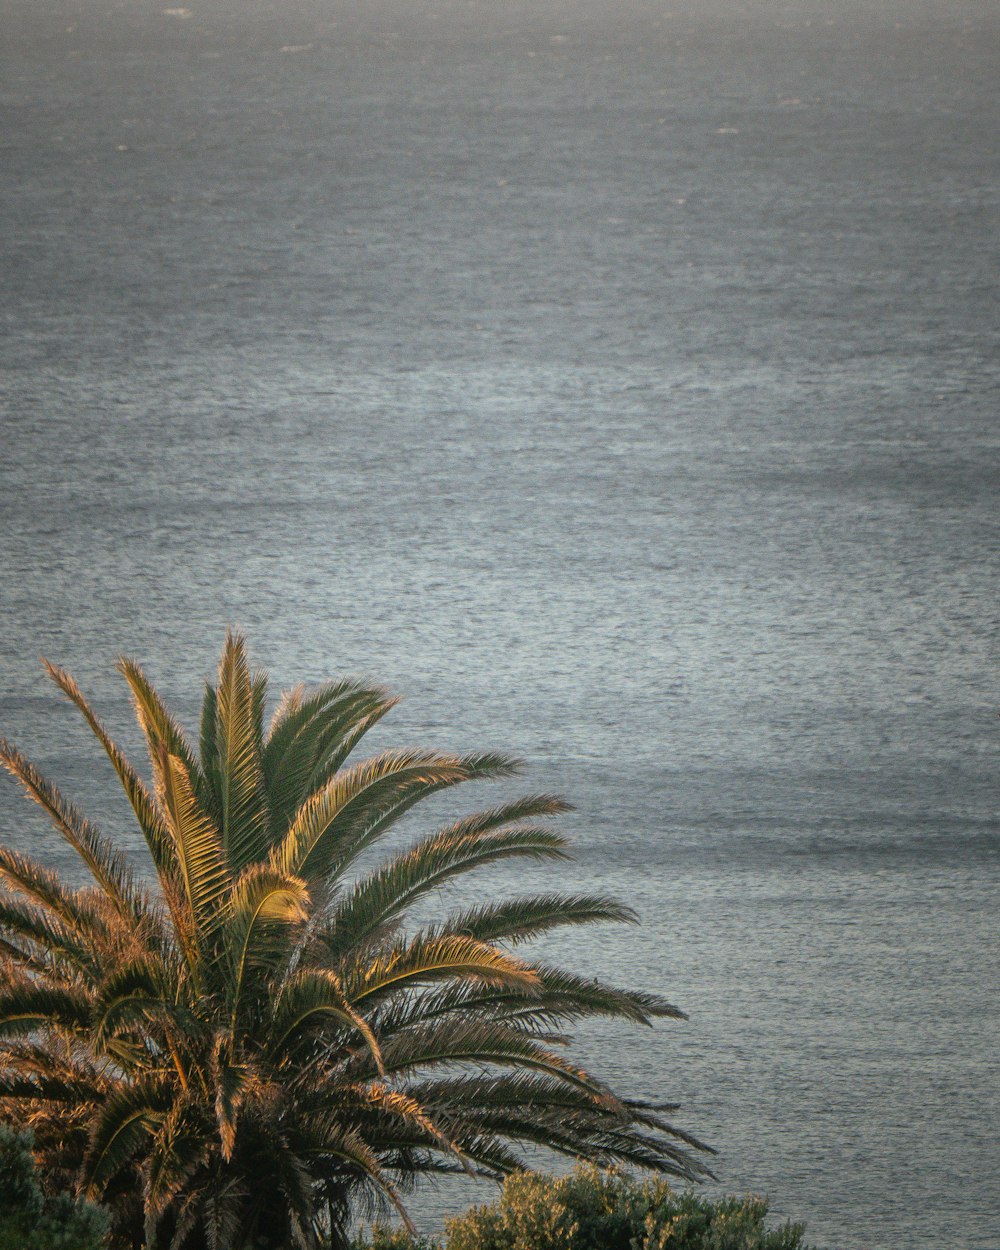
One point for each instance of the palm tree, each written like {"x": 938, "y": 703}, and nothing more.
{"x": 243, "y": 1051}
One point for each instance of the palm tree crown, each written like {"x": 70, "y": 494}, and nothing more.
{"x": 241, "y": 1052}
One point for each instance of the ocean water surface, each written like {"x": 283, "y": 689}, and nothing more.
{"x": 619, "y": 383}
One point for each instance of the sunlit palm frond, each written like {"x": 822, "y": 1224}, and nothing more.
{"x": 104, "y": 861}
{"x": 335, "y": 824}
{"x": 80, "y": 913}
{"x": 238, "y": 743}
{"x": 409, "y": 964}
{"x": 309, "y": 1002}
{"x": 198, "y": 851}
{"x": 310, "y": 737}
{"x": 160, "y": 729}
{"x": 267, "y": 909}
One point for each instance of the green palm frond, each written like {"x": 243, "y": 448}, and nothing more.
{"x": 138, "y": 796}
{"x": 198, "y": 851}
{"x": 267, "y": 910}
{"x": 140, "y": 997}
{"x": 209, "y": 753}
{"x": 238, "y": 743}
{"x": 333, "y": 1140}
{"x": 527, "y": 808}
{"x": 535, "y": 1108}
{"x": 398, "y": 1106}
{"x": 310, "y": 999}
{"x": 520, "y": 919}
{"x": 555, "y": 999}
{"x": 406, "y": 965}
{"x": 488, "y": 1042}
{"x": 398, "y": 884}
{"x": 569, "y": 997}
{"x": 179, "y": 1148}
{"x": 335, "y": 824}
{"x": 310, "y": 738}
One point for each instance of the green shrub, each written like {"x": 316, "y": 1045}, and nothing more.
{"x": 594, "y": 1210}
{"x": 29, "y": 1220}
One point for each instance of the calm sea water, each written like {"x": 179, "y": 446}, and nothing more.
{"x": 619, "y": 382}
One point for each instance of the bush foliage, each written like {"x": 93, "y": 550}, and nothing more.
{"x": 592, "y": 1209}
{"x": 31, "y": 1220}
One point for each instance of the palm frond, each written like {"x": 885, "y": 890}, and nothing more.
{"x": 391, "y": 889}
{"x": 308, "y": 999}
{"x": 27, "y": 1005}
{"x": 40, "y": 884}
{"x": 198, "y": 851}
{"x": 32, "y": 1070}
{"x": 178, "y": 1149}
{"x": 519, "y": 919}
{"x": 267, "y": 908}
{"x": 105, "y": 863}
{"x": 556, "y": 998}
{"x": 484, "y": 1042}
{"x": 158, "y": 726}
{"x": 333, "y": 1140}
{"x": 209, "y": 752}
{"x": 335, "y": 825}
{"x": 51, "y": 940}
{"x": 130, "y": 1116}
{"x": 427, "y": 957}
{"x": 238, "y": 741}
{"x": 314, "y": 735}
{"x": 332, "y": 826}
{"x": 402, "y": 1106}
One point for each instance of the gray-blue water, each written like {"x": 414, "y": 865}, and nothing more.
{"x": 618, "y": 381}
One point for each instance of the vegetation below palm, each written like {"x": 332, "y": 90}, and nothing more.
{"x": 600, "y": 1210}
{"x": 245, "y": 1050}
{"x": 32, "y": 1220}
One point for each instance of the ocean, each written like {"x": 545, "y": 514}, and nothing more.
{"x": 618, "y": 382}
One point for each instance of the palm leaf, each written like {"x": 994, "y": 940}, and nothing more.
{"x": 309, "y": 998}
{"x": 483, "y": 1042}
{"x": 334, "y": 1140}
{"x": 208, "y": 749}
{"x": 158, "y": 726}
{"x": 238, "y": 739}
{"x": 130, "y": 1116}
{"x": 74, "y": 908}
{"x": 336, "y": 824}
{"x": 266, "y": 910}
{"x": 106, "y": 864}
{"x": 390, "y": 890}
{"x": 312, "y": 733}
{"x": 27, "y": 1005}
{"x": 428, "y": 957}
{"x": 50, "y": 938}
{"x": 198, "y": 852}
{"x": 519, "y": 919}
